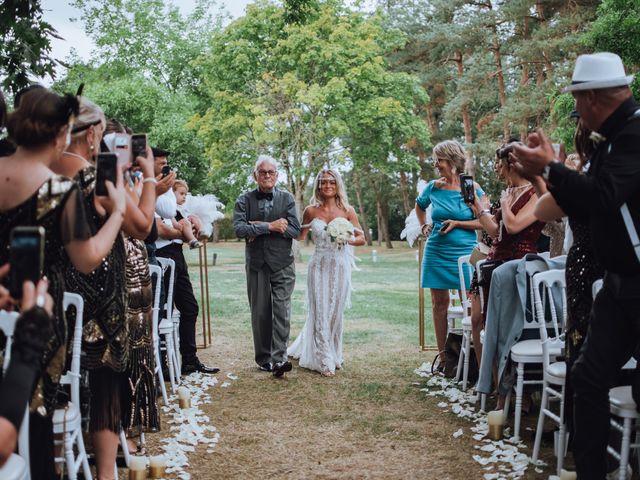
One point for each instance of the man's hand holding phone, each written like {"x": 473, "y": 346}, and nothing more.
{"x": 165, "y": 183}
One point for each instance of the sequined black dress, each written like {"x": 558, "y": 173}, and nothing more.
{"x": 105, "y": 342}
{"x": 581, "y": 270}
{"x": 141, "y": 412}
{"x": 58, "y": 207}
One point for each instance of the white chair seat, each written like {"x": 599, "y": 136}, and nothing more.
{"x": 14, "y": 469}
{"x": 466, "y": 323}
{"x": 71, "y": 415}
{"x": 622, "y": 403}
{"x": 165, "y": 326}
{"x": 455, "y": 311}
{"x": 557, "y": 372}
{"x": 529, "y": 350}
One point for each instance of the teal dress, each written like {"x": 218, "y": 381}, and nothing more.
{"x": 441, "y": 253}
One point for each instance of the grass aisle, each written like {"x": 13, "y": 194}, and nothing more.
{"x": 369, "y": 421}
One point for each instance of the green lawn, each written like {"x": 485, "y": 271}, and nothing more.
{"x": 385, "y": 293}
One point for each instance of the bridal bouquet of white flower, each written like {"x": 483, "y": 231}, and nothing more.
{"x": 340, "y": 230}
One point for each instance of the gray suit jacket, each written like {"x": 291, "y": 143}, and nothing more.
{"x": 262, "y": 246}
{"x": 507, "y": 309}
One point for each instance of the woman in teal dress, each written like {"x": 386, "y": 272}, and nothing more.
{"x": 452, "y": 236}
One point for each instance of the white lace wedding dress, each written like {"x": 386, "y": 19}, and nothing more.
{"x": 319, "y": 345}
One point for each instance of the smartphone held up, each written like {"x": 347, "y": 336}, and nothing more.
{"x": 26, "y": 257}
{"x": 467, "y": 188}
{"x": 107, "y": 166}
{"x": 127, "y": 147}
{"x": 138, "y": 146}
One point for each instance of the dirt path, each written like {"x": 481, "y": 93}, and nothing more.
{"x": 369, "y": 421}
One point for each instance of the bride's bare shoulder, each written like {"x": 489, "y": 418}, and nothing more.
{"x": 310, "y": 212}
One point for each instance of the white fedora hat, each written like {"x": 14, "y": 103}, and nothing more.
{"x": 598, "y": 70}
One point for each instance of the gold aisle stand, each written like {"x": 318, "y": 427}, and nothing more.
{"x": 204, "y": 296}
{"x": 423, "y": 347}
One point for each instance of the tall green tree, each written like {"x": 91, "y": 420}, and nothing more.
{"x": 150, "y": 37}
{"x": 144, "y": 73}
{"x": 26, "y": 44}
{"x": 493, "y": 69}
{"x": 304, "y": 89}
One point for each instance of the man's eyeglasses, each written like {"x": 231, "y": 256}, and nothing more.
{"x": 267, "y": 173}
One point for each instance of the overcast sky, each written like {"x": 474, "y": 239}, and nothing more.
{"x": 59, "y": 14}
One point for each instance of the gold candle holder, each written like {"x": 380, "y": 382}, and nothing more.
{"x": 184, "y": 402}
{"x": 157, "y": 471}
{"x": 496, "y": 431}
{"x": 137, "y": 475}
{"x": 495, "y": 421}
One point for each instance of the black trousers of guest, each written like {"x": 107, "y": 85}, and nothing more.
{"x": 41, "y": 447}
{"x": 184, "y": 300}
{"x": 613, "y": 336}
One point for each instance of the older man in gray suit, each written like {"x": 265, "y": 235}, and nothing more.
{"x": 267, "y": 219}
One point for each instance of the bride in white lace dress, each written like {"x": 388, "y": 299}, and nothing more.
{"x": 319, "y": 345}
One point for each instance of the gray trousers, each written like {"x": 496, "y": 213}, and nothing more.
{"x": 270, "y": 301}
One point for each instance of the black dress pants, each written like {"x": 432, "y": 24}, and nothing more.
{"x": 613, "y": 336}
{"x": 184, "y": 300}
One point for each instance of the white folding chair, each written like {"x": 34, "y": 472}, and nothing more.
{"x": 483, "y": 396}
{"x": 166, "y": 325}
{"x": 554, "y": 373}
{"x": 67, "y": 421}
{"x": 596, "y": 287}
{"x": 622, "y": 405}
{"x": 175, "y": 317}
{"x": 17, "y": 467}
{"x": 454, "y": 312}
{"x": 157, "y": 272}
{"x": 465, "y": 270}
{"x": 526, "y": 351}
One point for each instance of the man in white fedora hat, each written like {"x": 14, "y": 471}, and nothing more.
{"x": 611, "y": 185}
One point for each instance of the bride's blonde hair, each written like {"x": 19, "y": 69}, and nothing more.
{"x": 317, "y": 199}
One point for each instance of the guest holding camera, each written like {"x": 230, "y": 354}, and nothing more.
{"x": 513, "y": 228}
{"x": 106, "y": 333}
{"x": 31, "y": 194}
{"x": 609, "y": 192}
{"x": 453, "y": 233}
{"x": 31, "y": 335}
{"x": 169, "y": 245}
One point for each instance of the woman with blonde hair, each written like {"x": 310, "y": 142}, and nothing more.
{"x": 452, "y": 236}
{"x": 319, "y": 345}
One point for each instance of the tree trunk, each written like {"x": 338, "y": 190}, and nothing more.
{"x": 405, "y": 193}
{"x": 383, "y": 219}
{"x": 497, "y": 55}
{"x": 384, "y": 223}
{"x": 466, "y": 117}
{"x": 431, "y": 121}
{"x": 524, "y": 80}
{"x": 378, "y": 217}
{"x": 363, "y": 214}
